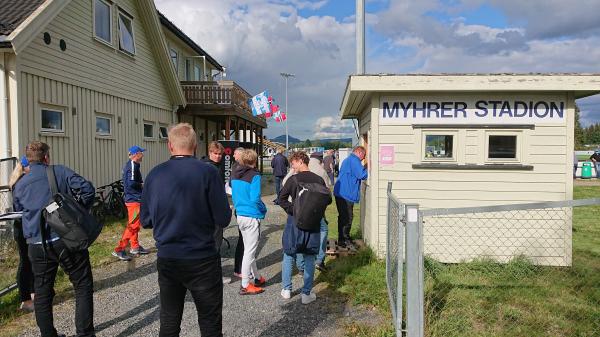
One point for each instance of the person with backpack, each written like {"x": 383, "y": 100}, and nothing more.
{"x": 250, "y": 210}
{"x": 301, "y": 235}
{"x": 47, "y": 251}
{"x": 132, "y": 185}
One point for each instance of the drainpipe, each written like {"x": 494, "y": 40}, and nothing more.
{"x": 7, "y": 151}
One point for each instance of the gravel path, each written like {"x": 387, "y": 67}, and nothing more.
{"x": 127, "y": 303}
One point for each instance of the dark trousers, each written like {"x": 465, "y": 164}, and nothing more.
{"x": 345, "y": 210}
{"x": 77, "y": 266}
{"x": 278, "y": 181}
{"x": 203, "y": 278}
{"x": 24, "y": 272}
{"x": 239, "y": 254}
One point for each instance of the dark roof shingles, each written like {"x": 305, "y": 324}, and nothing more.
{"x": 14, "y": 12}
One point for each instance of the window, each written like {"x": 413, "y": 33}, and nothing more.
{"x": 148, "y": 130}
{"x": 103, "y": 126}
{"x": 126, "y": 38}
{"x": 173, "y": 54}
{"x": 188, "y": 69}
{"x": 162, "y": 132}
{"x": 439, "y": 146}
{"x": 502, "y": 147}
{"x": 197, "y": 73}
{"x": 52, "y": 120}
{"x": 103, "y": 20}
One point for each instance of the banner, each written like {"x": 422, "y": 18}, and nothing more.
{"x": 260, "y": 103}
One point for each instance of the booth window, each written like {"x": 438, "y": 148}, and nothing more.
{"x": 439, "y": 146}
{"x": 502, "y": 147}
{"x": 163, "y": 132}
{"x": 52, "y": 120}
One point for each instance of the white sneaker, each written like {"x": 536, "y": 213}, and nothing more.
{"x": 306, "y": 299}
{"x": 287, "y": 294}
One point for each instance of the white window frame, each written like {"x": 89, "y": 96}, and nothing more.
{"x": 160, "y": 135}
{"x": 130, "y": 18}
{"x": 110, "y": 25}
{"x": 110, "y": 124}
{"x": 144, "y": 130}
{"x": 176, "y": 63}
{"x": 519, "y": 145}
{"x": 452, "y": 133}
{"x": 62, "y": 111}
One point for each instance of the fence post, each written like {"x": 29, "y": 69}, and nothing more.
{"x": 414, "y": 271}
{"x": 400, "y": 290}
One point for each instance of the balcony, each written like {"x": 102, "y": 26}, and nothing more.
{"x": 222, "y": 98}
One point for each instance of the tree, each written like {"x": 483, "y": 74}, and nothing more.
{"x": 307, "y": 143}
{"x": 579, "y": 134}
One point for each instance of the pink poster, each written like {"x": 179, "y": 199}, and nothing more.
{"x": 386, "y": 154}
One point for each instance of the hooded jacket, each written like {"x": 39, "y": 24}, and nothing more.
{"x": 245, "y": 185}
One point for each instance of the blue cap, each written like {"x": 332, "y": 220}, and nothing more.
{"x": 24, "y": 161}
{"x": 135, "y": 149}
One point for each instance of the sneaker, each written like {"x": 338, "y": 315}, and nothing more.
{"x": 226, "y": 280}
{"x": 306, "y": 299}
{"x": 138, "y": 251}
{"x": 121, "y": 255}
{"x": 260, "y": 282}
{"x": 321, "y": 266}
{"x": 251, "y": 289}
{"x": 286, "y": 293}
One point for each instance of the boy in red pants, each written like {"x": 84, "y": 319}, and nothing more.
{"x": 132, "y": 183}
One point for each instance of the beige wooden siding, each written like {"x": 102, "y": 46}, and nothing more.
{"x": 97, "y": 158}
{"x": 90, "y": 64}
{"x": 548, "y": 148}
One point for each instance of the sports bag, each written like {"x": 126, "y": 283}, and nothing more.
{"x": 310, "y": 204}
{"x": 77, "y": 228}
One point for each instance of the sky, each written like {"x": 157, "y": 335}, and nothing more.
{"x": 315, "y": 40}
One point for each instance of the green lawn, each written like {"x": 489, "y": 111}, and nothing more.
{"x": 484, "y": 298}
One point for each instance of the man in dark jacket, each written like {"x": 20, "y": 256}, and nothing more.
{"x": 132, "y": 185}
{"x": 296, "y": 241}
{"x": 184, "y": 201}
{"x": 280, "y": 166}
{"x": 31, "y": 195}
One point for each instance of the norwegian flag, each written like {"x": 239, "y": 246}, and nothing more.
{"x": 280, "y": 116}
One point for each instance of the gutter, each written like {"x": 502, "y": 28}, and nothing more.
{"x": 6, "y": 152}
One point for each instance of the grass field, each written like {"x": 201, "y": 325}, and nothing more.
{"x": 484, "y": 298}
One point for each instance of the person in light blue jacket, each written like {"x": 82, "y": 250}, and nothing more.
{"x": 245, "y": 186}
{"x": 347, "y": 192}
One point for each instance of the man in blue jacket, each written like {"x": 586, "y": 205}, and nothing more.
{"x": 132, "y": 185}
{"x": 347, "y": 192}
{"x": 31, "y": 195}
{"x": 183, "y": 201}
{"x": 280, "y": 166}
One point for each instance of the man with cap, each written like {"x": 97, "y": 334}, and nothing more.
{"x": 132, "y": 183}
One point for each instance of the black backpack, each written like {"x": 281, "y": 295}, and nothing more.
{"x": 310, "y": 204}
{"x": 77, "y": 228}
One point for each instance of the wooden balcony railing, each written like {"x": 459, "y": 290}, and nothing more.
{"x": 219, "y": 93}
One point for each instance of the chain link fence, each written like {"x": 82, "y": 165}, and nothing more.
{"x": 509, "y": 270}
{"x": 395, "y": 260}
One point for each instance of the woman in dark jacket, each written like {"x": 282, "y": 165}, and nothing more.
{"x": 295, "y": 240}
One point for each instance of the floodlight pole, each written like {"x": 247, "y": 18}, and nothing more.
{"x": 286, "y": 76}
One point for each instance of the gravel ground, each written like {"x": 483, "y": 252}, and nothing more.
{"x": 127, "y": 303}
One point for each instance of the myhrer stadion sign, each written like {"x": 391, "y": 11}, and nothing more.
{"x": 394, "y": 110}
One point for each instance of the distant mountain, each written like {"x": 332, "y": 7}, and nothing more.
{"x": 329, "y": 140}
{"x": 281, "y": 139}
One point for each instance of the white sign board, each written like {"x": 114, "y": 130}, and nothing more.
{"x": 477, "y": 111}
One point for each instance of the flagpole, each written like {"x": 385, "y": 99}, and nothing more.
{"x": 286, "y": 76}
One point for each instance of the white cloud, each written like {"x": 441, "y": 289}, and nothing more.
{"x": 330, "y": 127}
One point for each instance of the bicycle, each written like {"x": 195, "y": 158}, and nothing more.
{"x": 109, "y": 201}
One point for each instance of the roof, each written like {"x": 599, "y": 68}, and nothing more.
{"x": 14, "y": 12}
{"x": 180, "y": 34}
{"x": 359, "y": 88}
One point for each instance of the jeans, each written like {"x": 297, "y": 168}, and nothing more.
{"x": 77, "y": 266}
{"x": 345, "y": 210}
{"x": 309, "y": 272}
{"x": 278, "y": 181}
{"x": 203, "y": 278}
{"x": 597, "y": 164}
{"x": 331, "y": 177}
{"x": 322, "y": 247}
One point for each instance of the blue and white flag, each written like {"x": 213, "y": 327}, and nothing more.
{"x": 260, "y": 103}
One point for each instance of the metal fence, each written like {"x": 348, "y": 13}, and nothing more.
{"x": 509, "y": 270}
{"x": 266, "y": 161}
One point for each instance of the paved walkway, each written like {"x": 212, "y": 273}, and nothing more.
{"x": 127, "y": 302}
